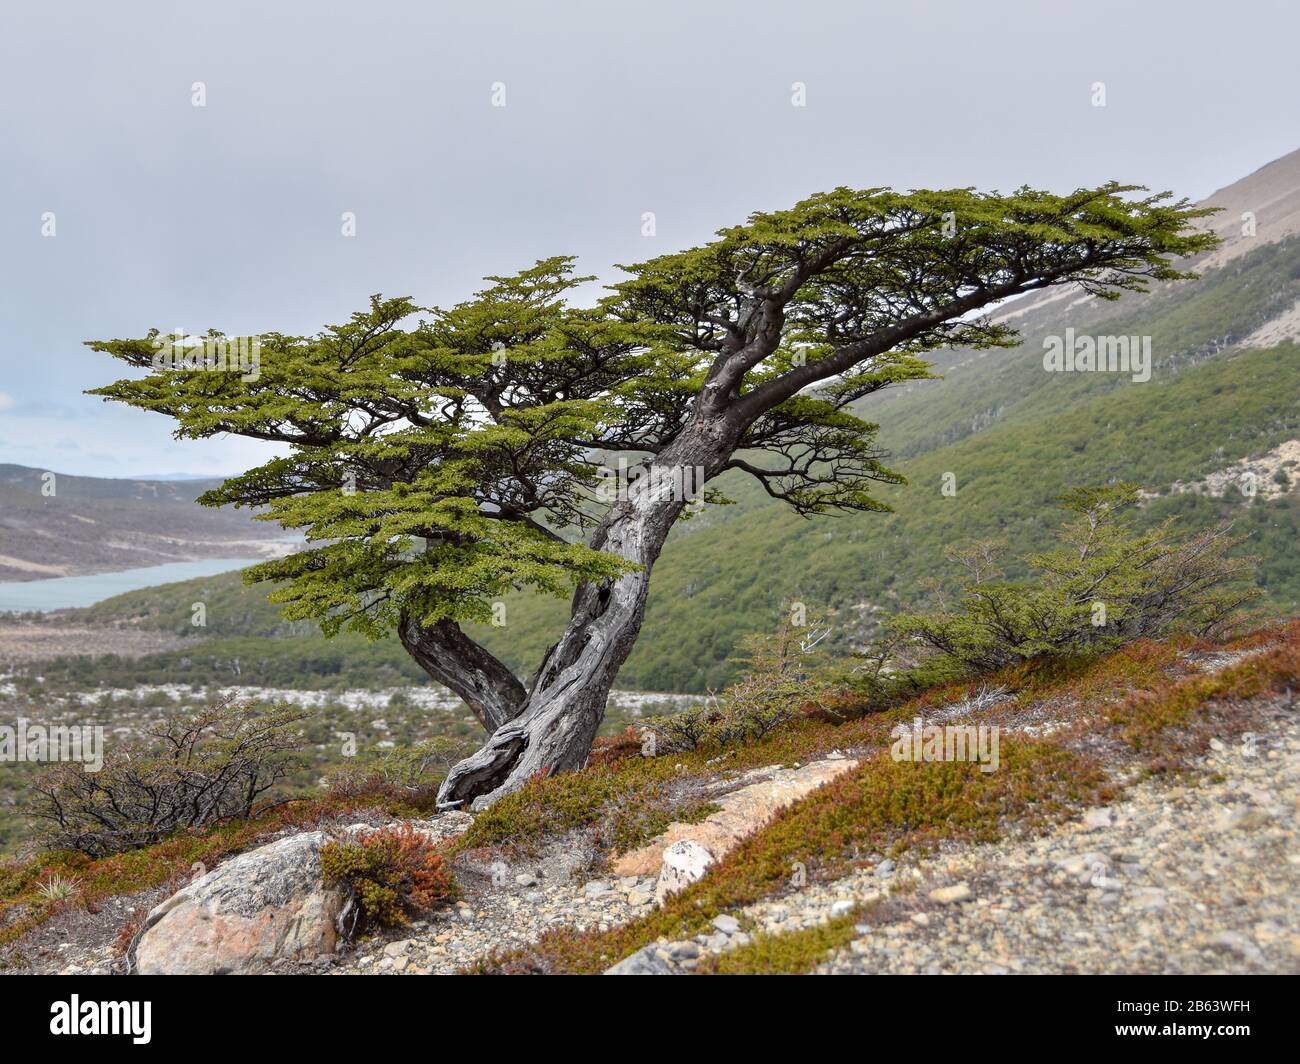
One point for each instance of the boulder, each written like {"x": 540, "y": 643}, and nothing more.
{"x": 650, "y": 960}
{"x": 262, "y": 906}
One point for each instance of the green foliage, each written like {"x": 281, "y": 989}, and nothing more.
{"x": 787, "y": 952}
{"x": 231, "y": 610}
{"x": 1104, "y": 586}
{"x": 435, "y": 469}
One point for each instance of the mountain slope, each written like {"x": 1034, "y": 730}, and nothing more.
{"x": 53, "y": 524}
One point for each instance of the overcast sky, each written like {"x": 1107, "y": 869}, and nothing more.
{"x": 228, "y": 216}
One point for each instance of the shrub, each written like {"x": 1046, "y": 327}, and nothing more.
{"x": 56, "y": 888}
{"x": 687, "y": 730}
{"x": 1105, "y": 586}
{"x": 389, "y": 874}
{"x": 193, "y": 771}
{"x": 400, "y": 773}
{"x": 780, "y": 679}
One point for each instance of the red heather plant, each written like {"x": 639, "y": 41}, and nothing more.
{"x": 389, "y": 874}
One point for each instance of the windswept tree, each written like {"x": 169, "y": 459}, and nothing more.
{"x": 441, "y": 458}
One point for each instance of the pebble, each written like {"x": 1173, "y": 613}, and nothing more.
{"x": 948, "y": 895}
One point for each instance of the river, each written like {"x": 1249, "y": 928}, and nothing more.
{"x": 65, "y": 592}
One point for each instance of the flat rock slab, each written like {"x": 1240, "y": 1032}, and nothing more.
{"x": 742, "y": 812}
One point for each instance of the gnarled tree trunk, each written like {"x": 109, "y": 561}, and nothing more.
{"x": 557, "y": 722}
{"x": 491, "y": 691}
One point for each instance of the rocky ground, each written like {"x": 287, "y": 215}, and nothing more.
{"x": 1194, "y": 874}
{"x": 511, "y": 916}
{"x": 1202, "y": 876}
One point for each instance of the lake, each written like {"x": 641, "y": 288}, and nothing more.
{"x": 64, "y": 592}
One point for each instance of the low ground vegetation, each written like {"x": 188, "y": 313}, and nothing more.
{"x": 1136, "y": 710}
{"x": 389, "y": 875}
{"x": 1123, "y": 716}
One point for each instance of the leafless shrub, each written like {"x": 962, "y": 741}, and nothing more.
{"x": 194, "y": 770}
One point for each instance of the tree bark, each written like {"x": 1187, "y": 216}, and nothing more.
{"x": 491, "y": 690}
{"x": 558, "y": 722}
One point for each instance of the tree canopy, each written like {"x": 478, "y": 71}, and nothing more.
{"x": 440, "y": 458}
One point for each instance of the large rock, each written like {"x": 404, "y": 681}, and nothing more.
{"x": 262, "y": 906}
{"x": 740, "y": 813}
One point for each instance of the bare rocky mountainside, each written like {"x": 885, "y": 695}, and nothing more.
{"x": 52, "y": 524}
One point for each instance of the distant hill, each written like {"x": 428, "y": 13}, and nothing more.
{"x": 54, "y": 524}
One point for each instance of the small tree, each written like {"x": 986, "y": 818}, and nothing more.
{"x": 439, "y": 467}
{"x": 1105, "y": 585}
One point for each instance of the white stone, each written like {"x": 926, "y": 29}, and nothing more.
{"x": 949, "y": 895}
{"x": 684, "y": 863}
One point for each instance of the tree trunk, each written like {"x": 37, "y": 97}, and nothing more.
{"x": 558, "y": 722}
{"x": 491, "y": 691}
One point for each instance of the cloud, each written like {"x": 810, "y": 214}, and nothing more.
{"x": 7, "y": 402}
